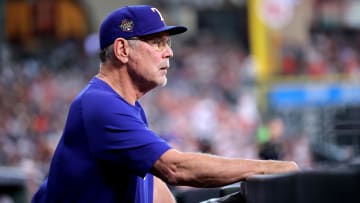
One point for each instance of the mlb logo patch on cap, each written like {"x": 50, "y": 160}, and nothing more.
{"x": 127, "y": 25}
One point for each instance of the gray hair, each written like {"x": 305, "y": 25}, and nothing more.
{"x": 108, "y": 52}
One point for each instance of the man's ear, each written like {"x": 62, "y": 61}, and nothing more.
{"x": 121, "y": 49}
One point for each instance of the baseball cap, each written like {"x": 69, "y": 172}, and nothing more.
{"x": 134, "y": 21}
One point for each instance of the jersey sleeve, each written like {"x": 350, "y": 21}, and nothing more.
{"x": 117, "y": 133}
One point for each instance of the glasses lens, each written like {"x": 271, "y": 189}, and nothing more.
{"x": 158, "y": 43}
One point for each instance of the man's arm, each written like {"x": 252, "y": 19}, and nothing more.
{"x": 203, "y": 170}
{"x": 162, "y": 194}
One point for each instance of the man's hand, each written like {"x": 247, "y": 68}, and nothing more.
{"x": 272, "y": 166}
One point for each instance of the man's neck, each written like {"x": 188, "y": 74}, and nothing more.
{"x": 120, "y": 82}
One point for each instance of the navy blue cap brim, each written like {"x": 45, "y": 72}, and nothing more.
{"x": 171, "y": 30}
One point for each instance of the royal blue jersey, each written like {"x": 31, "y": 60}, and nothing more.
{"x": 105, "y": 152}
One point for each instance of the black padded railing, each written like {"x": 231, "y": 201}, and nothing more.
{"x": 316, "y": 186}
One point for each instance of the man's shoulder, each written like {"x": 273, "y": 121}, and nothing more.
{"x": 97, "y": 92}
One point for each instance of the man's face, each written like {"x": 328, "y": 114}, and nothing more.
{"x": 149, "y": 61}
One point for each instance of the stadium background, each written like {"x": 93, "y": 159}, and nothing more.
{"x": 253, "y": 79}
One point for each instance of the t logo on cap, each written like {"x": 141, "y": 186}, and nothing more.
{"x": 158, "y": 12}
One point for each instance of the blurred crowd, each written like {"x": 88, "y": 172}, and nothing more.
{"x": 328, "y": 52}
{"x": 35, "y": 95}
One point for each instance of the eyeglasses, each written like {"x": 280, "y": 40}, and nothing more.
{"x": 158, "y": 43}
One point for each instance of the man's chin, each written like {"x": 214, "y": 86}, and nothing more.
{"x": 163, "y": 84}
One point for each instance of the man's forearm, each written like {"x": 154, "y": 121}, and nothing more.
{"x": 203, "y": 170}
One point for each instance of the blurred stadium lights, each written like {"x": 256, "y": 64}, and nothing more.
{"x": 200, "y": 4}
{"x": 2, "y": 34}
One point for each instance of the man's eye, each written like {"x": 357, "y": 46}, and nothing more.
{"x": 151, "y": 41}
{"x": 158, "y": 42}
